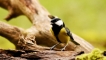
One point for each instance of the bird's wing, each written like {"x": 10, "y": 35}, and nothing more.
{"x": 71, "y": 37}
{"x": 69, "y": 33}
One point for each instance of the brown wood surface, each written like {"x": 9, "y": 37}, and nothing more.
{"x": 38, "y": 36}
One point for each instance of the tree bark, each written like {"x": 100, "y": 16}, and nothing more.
{"x": 37, "y": 55}
{"x": 37, "y": 35}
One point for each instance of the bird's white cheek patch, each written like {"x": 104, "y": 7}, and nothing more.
{"x": 59, "y": 23}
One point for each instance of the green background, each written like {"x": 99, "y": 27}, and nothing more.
{"x": 86, "y": 18}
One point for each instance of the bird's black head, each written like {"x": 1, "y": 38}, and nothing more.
{"x": 57, "y": 22}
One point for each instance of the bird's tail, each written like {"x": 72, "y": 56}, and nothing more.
{"x": 75, "y": 42}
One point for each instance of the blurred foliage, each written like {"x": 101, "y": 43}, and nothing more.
{"x": 85, "y": 18}
{"x": 96, "y": 54}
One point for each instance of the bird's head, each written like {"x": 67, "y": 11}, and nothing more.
{"x": 57, "y": 22}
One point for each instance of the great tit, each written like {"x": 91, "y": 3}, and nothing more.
{"x": 61, "y": 33}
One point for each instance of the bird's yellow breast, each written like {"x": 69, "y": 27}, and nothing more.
{"x": 63, "y": 37}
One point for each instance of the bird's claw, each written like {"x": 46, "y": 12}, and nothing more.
{"x": 62, "y": 49}
{"x": 51, "y": 48}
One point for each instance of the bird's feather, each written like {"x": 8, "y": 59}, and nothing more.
{"x": 71, "y": 37}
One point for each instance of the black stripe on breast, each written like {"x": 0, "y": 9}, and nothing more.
{"x": 56, "y": 30}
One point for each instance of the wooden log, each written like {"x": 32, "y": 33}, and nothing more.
{"x": 37, "y": 37}
{"x": 37, "y": 54}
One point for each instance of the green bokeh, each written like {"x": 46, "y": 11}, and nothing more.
{"x": 86, "y": 18}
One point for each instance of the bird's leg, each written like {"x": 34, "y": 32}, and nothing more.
{"x": 64, "y": 47}
{"x": 54, "y": 46}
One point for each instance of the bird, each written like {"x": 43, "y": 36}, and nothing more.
{"x": 61, "y": 33}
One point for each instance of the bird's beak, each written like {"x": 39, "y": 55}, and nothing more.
{"x": 51, "y": 23}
